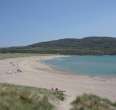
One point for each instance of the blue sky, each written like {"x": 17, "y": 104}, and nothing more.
{"x": 26, "y": 21}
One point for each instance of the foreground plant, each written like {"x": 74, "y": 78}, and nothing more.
{"x": 26, "y": 98}
{"x": 92, "y": 102}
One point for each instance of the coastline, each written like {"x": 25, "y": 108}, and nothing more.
{"x": 37, "y": 74}
{"x": 66, "y": 72}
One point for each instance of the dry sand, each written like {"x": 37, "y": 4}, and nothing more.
{"x": 31, "y": 72}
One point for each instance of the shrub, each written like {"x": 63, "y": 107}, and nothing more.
{"x": 92, "y": 102}
{"x": 26, "y": 98}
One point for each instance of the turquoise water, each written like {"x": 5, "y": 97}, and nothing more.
{"x": 86, "y": 65}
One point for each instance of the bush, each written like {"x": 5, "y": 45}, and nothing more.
{"x": 92, "y": 102}
{"x": 26, "y": 98}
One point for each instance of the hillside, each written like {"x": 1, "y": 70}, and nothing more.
{"x": 84, "y": 46}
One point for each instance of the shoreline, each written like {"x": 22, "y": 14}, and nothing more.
{"x": 66, "y": 72}
{"x": 36, "y": 74}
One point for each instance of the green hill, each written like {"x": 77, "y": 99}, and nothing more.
{"x": 84, "y": 46}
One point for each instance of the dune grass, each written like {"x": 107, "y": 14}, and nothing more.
{"x": 92, "y": 102}
{"x": 26, "y": 98}
{"x": 15, "y": 55}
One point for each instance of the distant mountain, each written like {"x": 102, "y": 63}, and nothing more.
{"x": 84, "y": 46}
{"x": 88, "y": 42}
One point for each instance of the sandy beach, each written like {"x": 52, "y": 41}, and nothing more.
{"x": 31, "y": 72}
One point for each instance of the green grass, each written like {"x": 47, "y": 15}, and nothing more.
{"x": 14, "y": 55}
{"x": 92, "y": 102}
{"x": 27, "y": 98}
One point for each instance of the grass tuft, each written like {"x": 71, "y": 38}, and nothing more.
{"x": 92, "y": 102}
{"x": 26, "y": 98}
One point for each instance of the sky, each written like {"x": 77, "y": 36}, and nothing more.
{"x": 23, "y": 22}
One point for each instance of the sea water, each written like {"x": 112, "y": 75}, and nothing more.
{"x": 86, "y": 65}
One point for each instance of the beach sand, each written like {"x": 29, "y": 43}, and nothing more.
{"x": 30, "y": 71}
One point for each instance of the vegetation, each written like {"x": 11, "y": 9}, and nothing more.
{"x": 59, "y": 94}
{"x": 14, "y": 97}
{"x": 27, "y": 98}
{"x": 92, "y": 102}
{"x": 85, "y": 46}
{"x": 14, "y": 55}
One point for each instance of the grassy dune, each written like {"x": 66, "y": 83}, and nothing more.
{"x": 27, "y": 98}
{"x": 92, "y": 102}
{"x": 14, "y": 55}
